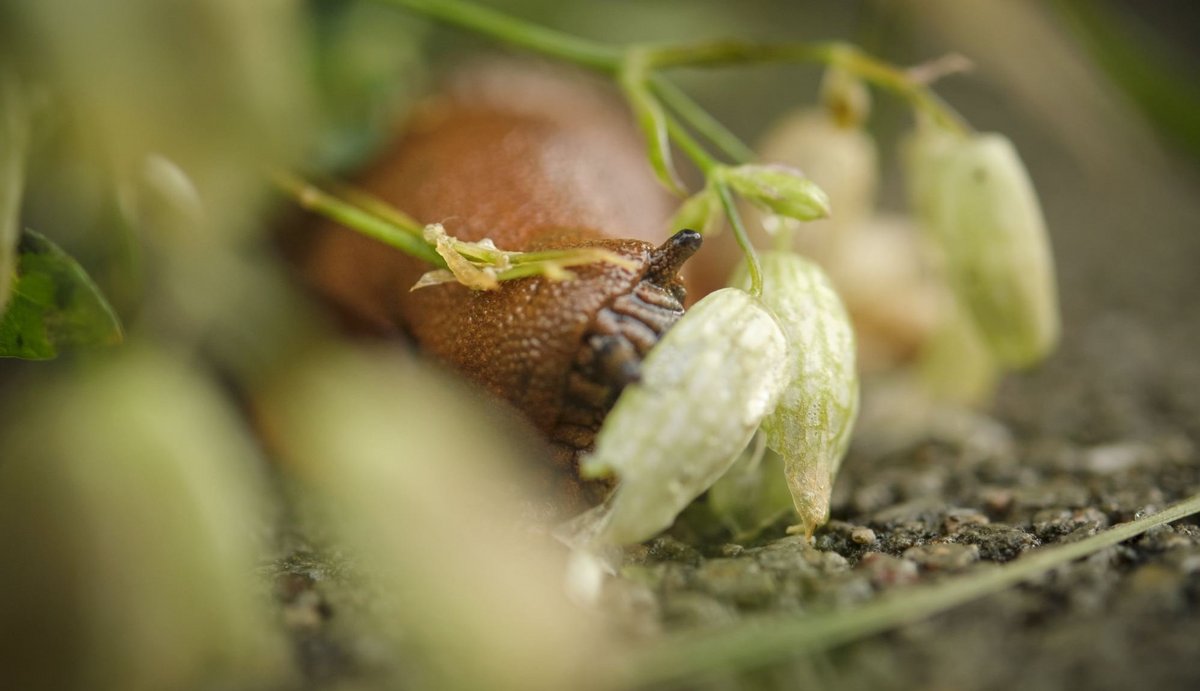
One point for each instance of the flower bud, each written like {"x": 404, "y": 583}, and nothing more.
{"x": 979, "y": 206}
{"x": 845, "y": 98}
{"x": 924, "y": 153}
{"x": 883, "y": 274}
{"x": 811, "y": 426}
{"x": 955, "y": 365}
{"x": 705, "y": 388}
{"x": 781, "y": 189}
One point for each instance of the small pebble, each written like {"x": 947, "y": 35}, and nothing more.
{"x": 730, "y": 550}
{"x": 862, "y": 535}
{"x": 957, "y": 519}
{"x": 943, "y": 556}
{"x": 1107, "y": 459}
{"x": 996, "y": 500}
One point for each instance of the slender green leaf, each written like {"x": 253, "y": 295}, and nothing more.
{"x": 54, "y": 305}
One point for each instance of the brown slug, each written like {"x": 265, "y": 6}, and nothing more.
{"x": 532, "y": 162}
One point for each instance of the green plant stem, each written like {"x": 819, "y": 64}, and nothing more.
{"x": 700, "y": 120}
{"x": 607, "y": 58}
{"x": 690, "y": 147}
{"x": 767, "y": 639}
{"x": 375, "y": 206}
{"x": 651, "y": 118}
{"x": 513, "y": 31}
{"x": 832, "y": 54}
{"x": 753, "y": 266}
{"x": 635, "y": 67}
{"x": 407, "y": 239}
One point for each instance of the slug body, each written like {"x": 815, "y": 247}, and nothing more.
{"x": 532, "y": 163}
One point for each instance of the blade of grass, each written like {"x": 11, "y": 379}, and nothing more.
{"x": 768, "y": 639}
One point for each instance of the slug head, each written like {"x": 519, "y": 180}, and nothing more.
{"x": 618, "y": 337}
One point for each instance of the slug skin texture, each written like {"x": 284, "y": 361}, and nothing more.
{"x": 532, "y": 162}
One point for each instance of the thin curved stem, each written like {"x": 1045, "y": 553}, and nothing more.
{"x": 608, "y": 58}
{"x": 517, "y": 32}
{"x": 833, "y": 54}
{"x": 689, "y": 146}
{"x": 699, "y": 119}
{"x": 771, "y": 638}
{"x": 753, "y": 266}
{"x": 406, "y": 239}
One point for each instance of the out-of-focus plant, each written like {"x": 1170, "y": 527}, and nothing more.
{"x": 136, "y": 96}
{"x": 135, "y": 515}
{"x": 434, "y": 517}
{"x": 368, "y": 66}
{"x": 978, "y": 205}
{"x": 132, "y": 512}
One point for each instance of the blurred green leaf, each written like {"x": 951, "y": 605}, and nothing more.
{"x": 54, "y": 305}
{"x": 1156, "y": 75}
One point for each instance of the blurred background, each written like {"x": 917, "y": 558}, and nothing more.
{"x": 148, "y": 488}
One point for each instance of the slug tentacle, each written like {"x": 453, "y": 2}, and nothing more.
{"x": 667, "y": 260}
